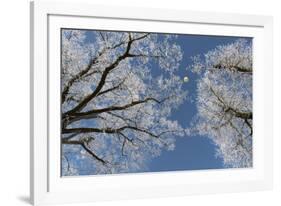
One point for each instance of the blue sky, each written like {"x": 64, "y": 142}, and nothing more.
{"x": 196, "y": 152}
{"x": 191, "y": 152}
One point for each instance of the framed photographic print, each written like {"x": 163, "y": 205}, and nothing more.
{"x": 127, "y": 105}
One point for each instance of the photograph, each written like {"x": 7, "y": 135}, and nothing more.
{"x": 139, "y": 102}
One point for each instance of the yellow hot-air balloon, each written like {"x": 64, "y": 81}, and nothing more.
{"x": 186, "y": 79}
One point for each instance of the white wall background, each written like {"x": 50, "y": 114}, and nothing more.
{"x": 14, "y": 100}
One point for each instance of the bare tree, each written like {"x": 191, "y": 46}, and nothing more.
{"x": 115, "y": 102}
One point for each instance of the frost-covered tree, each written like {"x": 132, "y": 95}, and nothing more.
{"x": 118, "y": 90}
{"x": 224, "y": 101}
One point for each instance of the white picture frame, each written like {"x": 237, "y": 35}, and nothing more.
{"x": 46, "y": 184}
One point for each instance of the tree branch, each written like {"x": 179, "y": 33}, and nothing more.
{"x": 106, "y": 130}
{"x": 235, "y": 67}
{"x": 112, "y": 88}
{"x": 89, "y": 114}
{"x": 84, "y": 146}
{"x": 106, "y": 71}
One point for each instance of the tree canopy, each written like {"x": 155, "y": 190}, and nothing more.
{"x": 115, "y": 110}
{"x": 120, "y": 89}
{"x": 224, "y": 101}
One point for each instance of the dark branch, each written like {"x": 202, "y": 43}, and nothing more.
{"x": 89, "y": 114}
{"x": 84, "y": 146}
{"x": 237, "y": 113}
{"x": 112, "y": 88}
{"x": 75, "y": 78}
{"x": 107, "y": 130}
{"x": 93, "y": 154}
{"x": 87, "y": 69}
{"x": 104, "y": 75}
{"x": 235, "y": 67}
